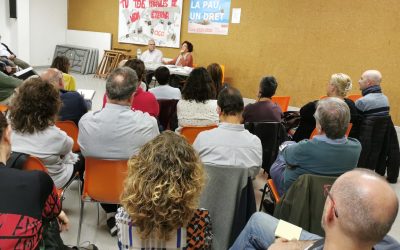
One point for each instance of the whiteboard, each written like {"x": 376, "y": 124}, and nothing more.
{"x": 98, "y": 40}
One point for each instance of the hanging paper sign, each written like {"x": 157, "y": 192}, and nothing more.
{"x": 142, "y": 20}
{"x": 209, "y": 17}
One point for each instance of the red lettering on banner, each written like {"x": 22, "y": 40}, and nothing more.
{"x": 158, "y": 3}
{"x": 124, "y": 3}
{"x": 174, "y": 3}
{"x": 159, "y": 14}
{"x": 134, "y": 17}
{"x": 139, "y": 4}
{"x": 159, "y": 33}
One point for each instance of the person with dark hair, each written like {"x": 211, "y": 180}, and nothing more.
{"x": 360, "y": 208}
{"x": 73, "y": 105}
{"x": 33, "y": 112}
{"x": 164, "y": 91}
{"x": 198, "y": 107}
{"x": 264, "y": 110}
{"x": 62, "y": 63}
{"x": 185, "y": 58}
{"x": 215, "y": 72}
{"x": 116, "y": 131}
{"x": 230, "y": 144}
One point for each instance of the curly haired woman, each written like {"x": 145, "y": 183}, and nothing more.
{"x": 33, "y": 112}
{"x": 160, "y": 198}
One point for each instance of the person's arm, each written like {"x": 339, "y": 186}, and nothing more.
{"x": 173, "y": 61}
{"x": 292, "y": 153}
{"x": 9, "y": 81}
{"x": 50, "y": 199}
{"x": 360, "y": 105}
{"x": 67, "y": 143}
{"x": 283, "y": 244}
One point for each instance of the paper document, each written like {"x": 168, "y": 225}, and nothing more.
{"x": 87, "y": 94}
{"x": 287, "y": 231}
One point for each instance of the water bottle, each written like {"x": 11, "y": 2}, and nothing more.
{"x": 138, "y": 53}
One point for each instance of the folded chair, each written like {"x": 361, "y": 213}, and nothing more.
{"x": 103, "y": 183}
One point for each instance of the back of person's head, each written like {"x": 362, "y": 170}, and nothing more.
{"x": 121, "y": 84}
{"x": 342, "y": 82}
{"x": 333, "y": 115}
{"x": 138, "y": 66}
{"x": 268, "y": 86}
{"x": 373, "y": 76}
{"x": 35, "y": 106}
{"x": 215, "y": 72}
{"x": 162, "y": 75}
{"x": 199, "y": 86}
{"x": 163, "y": 185}
{"x": 189, "y": 45}
{"x": 53, "y": 76}
{"x": 230, "y": 101}
{"x": 61, "y": 63}
{"x": 365, "y": 204}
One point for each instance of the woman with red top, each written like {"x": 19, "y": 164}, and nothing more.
{"x": 185, "y": 57}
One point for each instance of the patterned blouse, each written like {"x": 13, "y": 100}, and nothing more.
{"x": 192, "y": 113}
{"x": 197, "y": 235}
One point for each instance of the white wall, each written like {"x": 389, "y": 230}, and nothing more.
{"x": 48, "y": 26}
{"x": 39, "y": 27}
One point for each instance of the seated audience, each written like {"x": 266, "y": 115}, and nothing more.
{"x": 338, "y": 86}
{"x": 373, "y": 102}
{"x": 164, "y": 91}
{"x": 359, "y": 211}
{"x": 330, "y": 153}
{"x": 142, "y": 100}
{"x": 62, "y": 63}
{"x": 230, "y": 144}
{"x": 215, "y": 72}
{"x": 185, "y": 58}
{"x": 152, "y": 55}
{"x": 73, "y": 105}
{"x": 161, "y": 196}
{"x": 6, "y": 66}
{"x": 6, "y": 53}
{"x": 264, "y": 110}
{"x": 8, "y": 84}
{"x": 116, "y": 131}
{"x": 33, "y": 112}
{"x": 198, "y": 107}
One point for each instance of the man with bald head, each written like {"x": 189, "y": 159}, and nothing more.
{"x": 74, "y": 106}
{"x": 373, "y": 102}
{"x": 359, "y": 211}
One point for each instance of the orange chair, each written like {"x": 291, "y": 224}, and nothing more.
{"x": 103, "y": 183}
{"x": 33, "y": 163}
{"x": 354, "y": 98}
{"x": 274, "y": 195}
{"x": 315, "y": 132}
{"x": 282, "y": 101}
{"x": 72, "y": 131}
{"x": 3, "y": 108}
{"x": 323, "y": 97}
{"x": 190, "y": 133}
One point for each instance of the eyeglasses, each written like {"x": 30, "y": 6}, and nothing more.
{"x": 327, "y": 189}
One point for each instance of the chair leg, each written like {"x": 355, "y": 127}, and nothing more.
{"x": 98, "y": 214}
{"x": 263, "y": 196}
{"x": 80, "y": 223}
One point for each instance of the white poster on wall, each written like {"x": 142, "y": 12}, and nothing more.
{"x": 141, "y": 20}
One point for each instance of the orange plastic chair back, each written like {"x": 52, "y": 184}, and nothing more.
{"x": 354, "y": 98}
{"x": 190, "y": 133}
{"x": 3, "y": 108}
{"x": 282, "y": 101}
{"x": 323, "y": 97}
{"x": 274, "y": 191}
{"x": 104, "y": 179}
{"x": 72, "y": 131}
{"x": 223, "y": 72}
{"x": 33, "y": 163}
{"x": 315, "y": 132}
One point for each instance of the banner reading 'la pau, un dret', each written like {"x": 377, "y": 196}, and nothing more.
{"x": 209, "y": 17}
{"x": 141, "y": 20}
